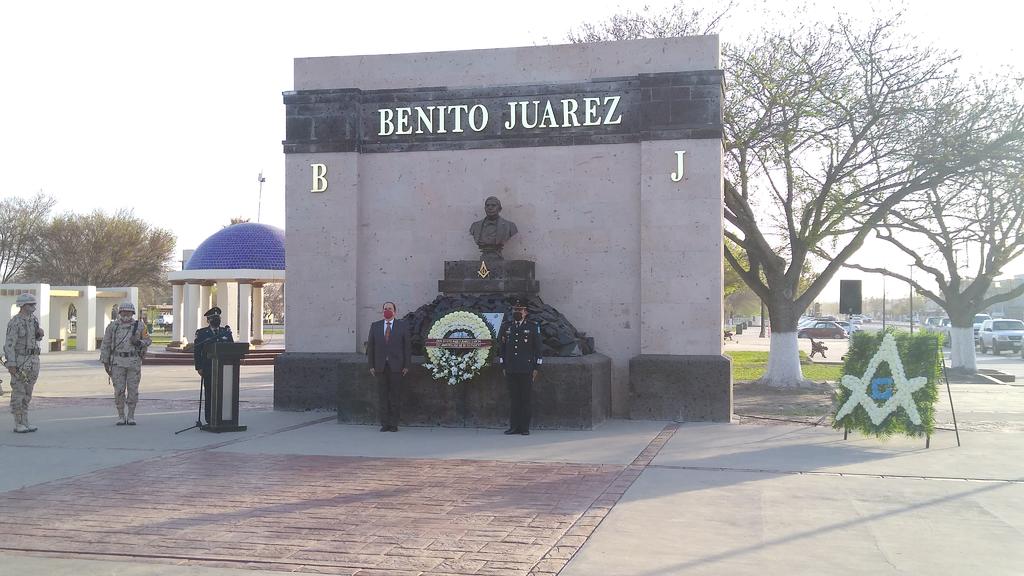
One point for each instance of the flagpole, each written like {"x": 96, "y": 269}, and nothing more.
{"x": 259, "y": 206}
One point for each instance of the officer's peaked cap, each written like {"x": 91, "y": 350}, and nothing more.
{"x": 25, "y": 298}
{"x": 215, "y": 311}
{"x": 519, "y": 302}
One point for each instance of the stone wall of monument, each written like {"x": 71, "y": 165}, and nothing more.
{"x": 631, "y": 257}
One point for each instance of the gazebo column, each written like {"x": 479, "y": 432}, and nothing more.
{"x": 86, "y": 325}
{"x": 205, "y": 300}
{"x": 58, "y": 329}
{"x": 192, "y": 312}
{"x": 177, "y": 313}
{"x": 227, "y": 301}
{"x": 244, "y": 311}
{"x": 257, "y": 313}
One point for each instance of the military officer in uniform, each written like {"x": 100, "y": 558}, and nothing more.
{"x": 124, "y": 345}
{"x": 22, "y": 352}
{"x": 520, "y": 358}
{"x": 200, "y": 355}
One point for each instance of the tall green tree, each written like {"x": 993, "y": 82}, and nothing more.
{"x": 827, "y": 128}
{"x": 102, "y": 250}
{"x": 22, "y": 222}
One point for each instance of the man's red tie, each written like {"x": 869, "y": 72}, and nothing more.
{"x": 387, "y": 332}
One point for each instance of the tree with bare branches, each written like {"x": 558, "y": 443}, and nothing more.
{"x": 828, "y": 128}
{"x": 679, "y": 20}
{"x": 22, "y": 222}
{"x": 982, "y": 214}
{"x": 828, "y": 131}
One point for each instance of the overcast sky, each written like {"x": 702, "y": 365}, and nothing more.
{"x": 173, "y": 108}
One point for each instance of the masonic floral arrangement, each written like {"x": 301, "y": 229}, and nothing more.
{"x": 454, "y": 367}
{"x": 890, "y": 384}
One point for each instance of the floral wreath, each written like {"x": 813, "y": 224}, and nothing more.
{"x": 451, "y": 367}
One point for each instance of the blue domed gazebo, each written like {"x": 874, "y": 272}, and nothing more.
{"x": 239, "y": 259}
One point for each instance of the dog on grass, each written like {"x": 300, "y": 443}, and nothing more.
{"x": 818, "y": 348}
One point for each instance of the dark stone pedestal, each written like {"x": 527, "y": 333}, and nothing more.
{"x": 680, "y": 388}
{"x": 571, "y": 393}
{"x": 503, "y": 277}
{"x": 308, "y": 381}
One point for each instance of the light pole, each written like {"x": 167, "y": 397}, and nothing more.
{"x": 911, "y": 299}
{"x": 883, "y": 302}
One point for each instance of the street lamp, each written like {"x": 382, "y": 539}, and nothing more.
{"x": 883, "y": 302}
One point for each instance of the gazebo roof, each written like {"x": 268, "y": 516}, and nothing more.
{"x": 248, "y": 246}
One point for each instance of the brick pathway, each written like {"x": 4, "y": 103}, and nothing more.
{"x": 324, "y": 514}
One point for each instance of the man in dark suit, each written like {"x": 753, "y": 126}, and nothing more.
{"x": 200, "y": 354}
{"x": 520, "y": 358}
{"x": 389, "y": 353}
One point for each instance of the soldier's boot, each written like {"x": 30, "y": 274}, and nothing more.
{"x": 24, "y": 420}
{"x": 121, "y": 420}
{"x": 131, "y": 416}
{"x": 19, "y": 426}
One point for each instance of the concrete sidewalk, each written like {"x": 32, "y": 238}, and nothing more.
{"x": 300, "y": 493}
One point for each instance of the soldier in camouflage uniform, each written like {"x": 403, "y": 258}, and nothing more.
{"x": 22, "y": 352}
{"x": 124, "y": 344}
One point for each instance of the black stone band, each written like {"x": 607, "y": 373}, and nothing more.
{"x": 663, "y": 106}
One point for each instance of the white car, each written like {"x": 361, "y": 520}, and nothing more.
{"x": 979, "y": 319}
{"x": 1001, "y": 334}
{"x": 850, "y": 327}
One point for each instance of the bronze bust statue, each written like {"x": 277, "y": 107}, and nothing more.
{"x": 493, "y": 231}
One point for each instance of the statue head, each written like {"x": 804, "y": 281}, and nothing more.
{"x": 492, "y": 207}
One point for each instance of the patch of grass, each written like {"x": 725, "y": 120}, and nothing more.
{"x": 748, "y": 366}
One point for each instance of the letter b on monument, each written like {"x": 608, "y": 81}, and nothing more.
{"x": 319, "y": 178}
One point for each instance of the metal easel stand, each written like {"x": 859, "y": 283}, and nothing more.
{"x": 949, "y": 392}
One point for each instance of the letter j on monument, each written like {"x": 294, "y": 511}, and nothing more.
{"x": 577, "y": 155}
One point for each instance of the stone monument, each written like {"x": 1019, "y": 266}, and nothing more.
{"x": 608, "y": 156}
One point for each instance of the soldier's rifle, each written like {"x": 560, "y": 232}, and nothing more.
{"x": 18, "y": 372}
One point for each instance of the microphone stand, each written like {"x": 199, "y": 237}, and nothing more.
{"x": 199, "y": 416}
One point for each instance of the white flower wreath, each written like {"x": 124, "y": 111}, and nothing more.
{"x": 456, "y": 368}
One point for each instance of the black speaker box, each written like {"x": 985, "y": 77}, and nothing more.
{"x": 849, "y": 297}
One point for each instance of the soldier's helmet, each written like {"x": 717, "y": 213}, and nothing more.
{"x": 126, "y": 306}
{"x": 25, "y": 298}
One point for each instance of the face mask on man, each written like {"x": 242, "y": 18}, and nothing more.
{"x": 125, "y": 318}
{"x": 389, "y": 314}
{"x": 518, "y": 316}
{"x": 215, "y": 321}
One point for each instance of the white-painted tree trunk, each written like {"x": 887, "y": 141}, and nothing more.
{"x": 962, "y": 349}
{"x": 783, "y": 362}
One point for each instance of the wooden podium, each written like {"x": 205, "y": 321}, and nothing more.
{"x": 223, "y": 386}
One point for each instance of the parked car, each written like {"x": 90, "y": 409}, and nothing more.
{"x": 1001, "y": 334}
{"x": 935, "y": 324}
{"x": 979, "y": 319}
{"x": 822, "y": 329}
{"x": 850, "y": 327}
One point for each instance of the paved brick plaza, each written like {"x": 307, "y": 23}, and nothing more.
{"x": 323, "y": 514}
